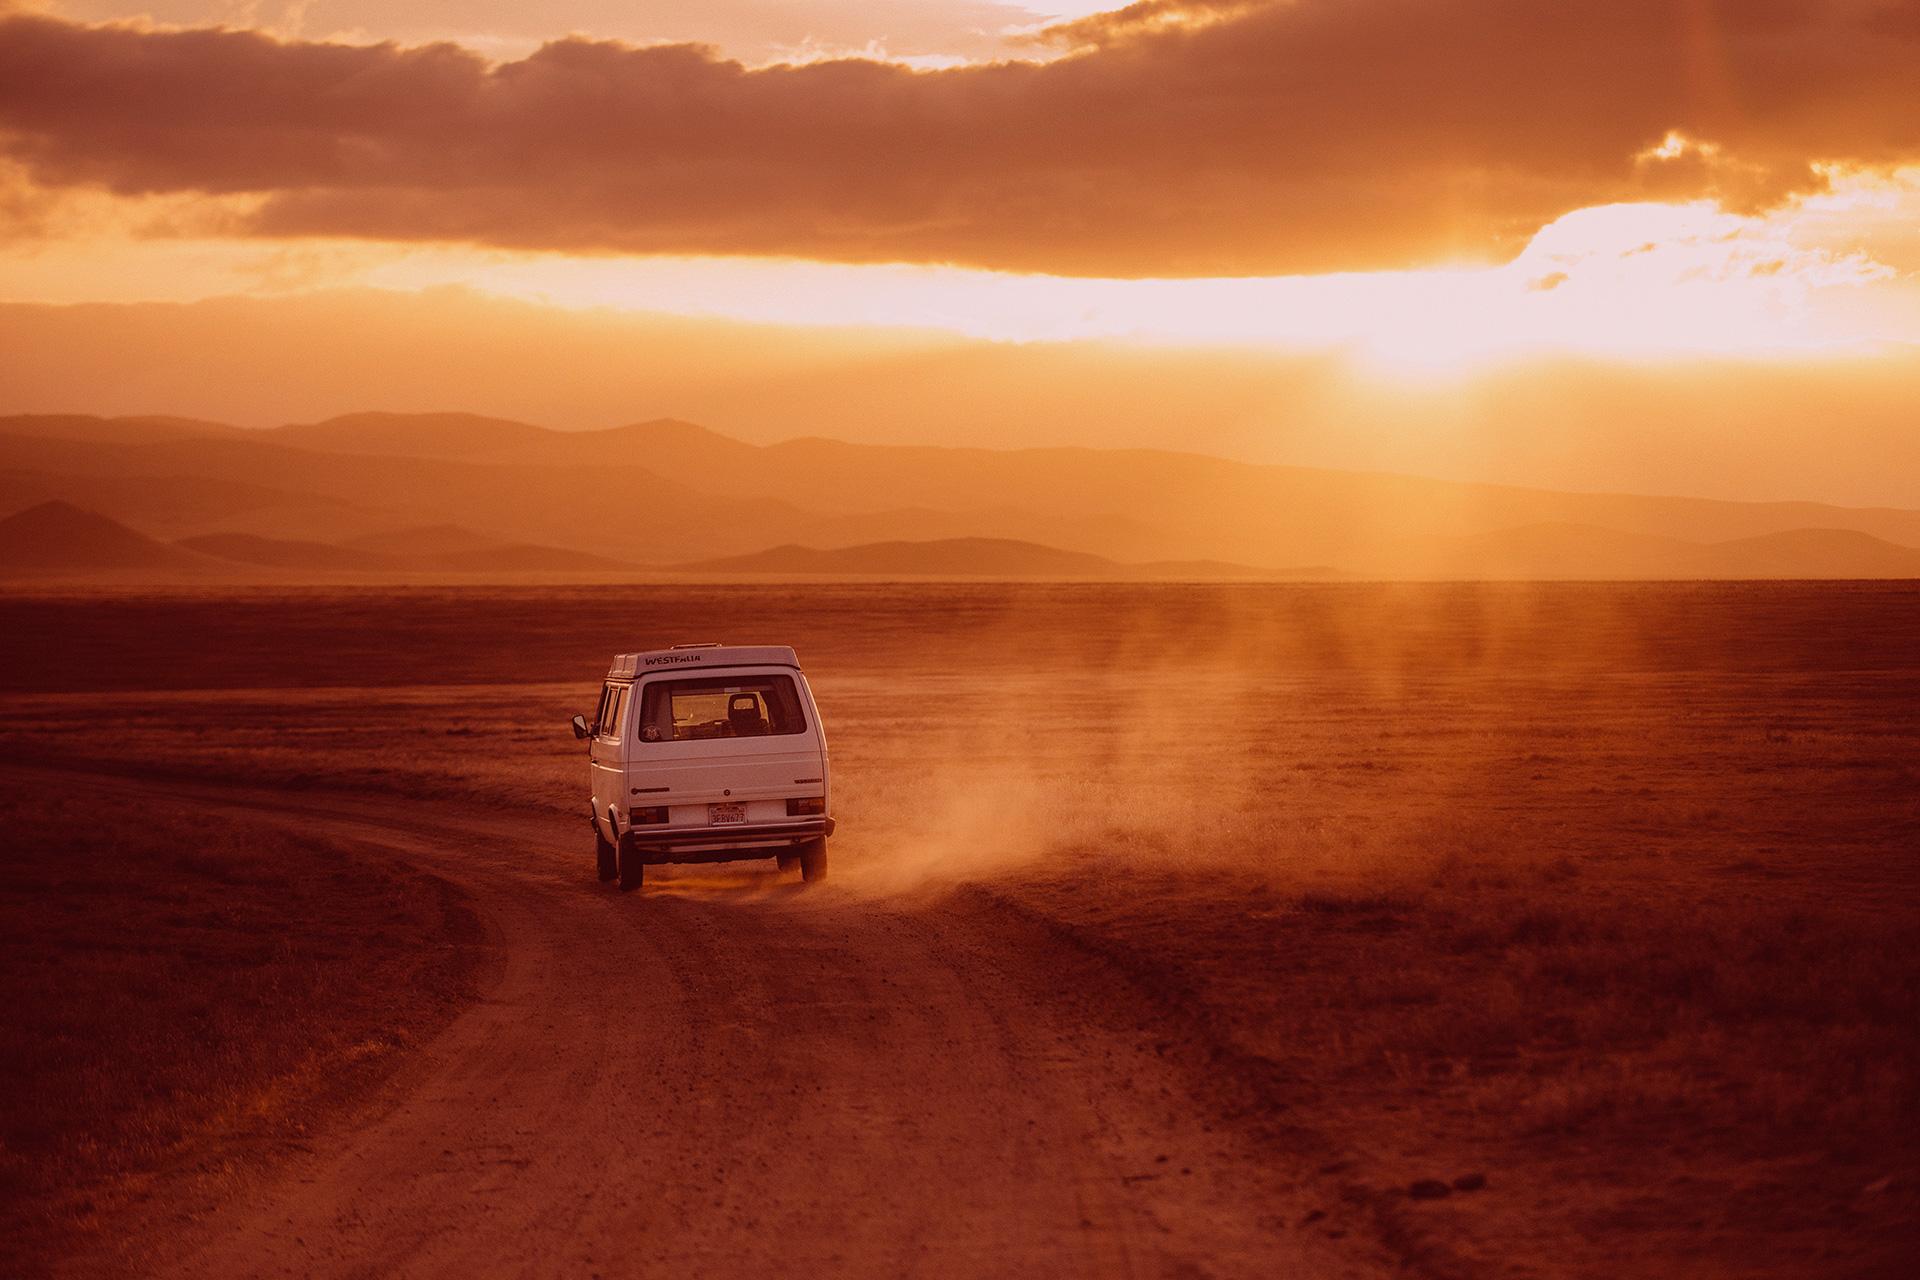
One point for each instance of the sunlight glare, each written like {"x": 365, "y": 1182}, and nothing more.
{"x": 1629, "y": 280}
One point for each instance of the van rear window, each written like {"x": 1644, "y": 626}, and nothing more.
{"x": 720, "y": 707}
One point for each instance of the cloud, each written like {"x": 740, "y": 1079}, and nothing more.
{"x": 1179, "y": 139}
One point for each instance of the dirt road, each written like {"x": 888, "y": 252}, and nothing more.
{"x": 731, "y": 1074}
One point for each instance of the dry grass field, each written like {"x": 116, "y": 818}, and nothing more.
{"x": 189, "y": 996}
{"x": 1597, "y": 901}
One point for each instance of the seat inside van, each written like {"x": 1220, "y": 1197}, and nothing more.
{"x": 743, "y": 716}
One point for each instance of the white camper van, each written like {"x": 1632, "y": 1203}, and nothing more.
{"x": 707, "y": 753}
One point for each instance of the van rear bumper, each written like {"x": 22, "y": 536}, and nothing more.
{"x": 668, "y": 839}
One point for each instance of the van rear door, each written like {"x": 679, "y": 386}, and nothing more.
{"x": 728, "y": 736}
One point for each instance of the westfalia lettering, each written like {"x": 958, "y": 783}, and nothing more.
{"x": 675, "y": 657}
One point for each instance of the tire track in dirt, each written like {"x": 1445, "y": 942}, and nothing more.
{"x": 729, "y": 1074}
{"x": 1255, "y": 1094}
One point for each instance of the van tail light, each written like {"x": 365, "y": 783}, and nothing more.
{"x": 811, "y": 804}
{"x": 642, "y": 816}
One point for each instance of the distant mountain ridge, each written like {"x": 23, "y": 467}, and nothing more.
{"x": 278, "y": 553}
{"x": 434, "y": 540}
{"x": 281, "y": 553}
{"x": 958, "y": 558}
{"x": 1133, "y": 485}
{"x": 669, "y": 493}
{"x": 955, "y": 557}
{"x": 417, "y": 435}
{"x": 1567, "y": 551}
{"x": 58, "y": 538}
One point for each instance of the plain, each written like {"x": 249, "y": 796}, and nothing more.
{"x": 1594, "y": 901}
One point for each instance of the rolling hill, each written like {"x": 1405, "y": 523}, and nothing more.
{"x": 430, "y": 540}
{"x": 1190, "y": 495}
{"x": 944, "y": 558}
{"x": 524, "y": 558}
{"x": 281, "y": 553}
{"x": 668, "y": 493}
{"x": 178, "y": 506}
{"x": 1810, "y": 553}
{"x": 58, "y": 539}
{"x": 413, "y": 435}
{"x": 277, "y": 553}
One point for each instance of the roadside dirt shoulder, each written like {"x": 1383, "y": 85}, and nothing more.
{"x": 731, "y": 1074}
{"x": 1490, "y": 1073}
{"x": 193, "y": 995}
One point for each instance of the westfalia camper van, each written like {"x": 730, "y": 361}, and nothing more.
{"x": 707, "y": 753}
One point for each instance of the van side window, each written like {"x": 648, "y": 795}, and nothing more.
{"x": 720, "y": 707}
{"x": 616, "y": 705}
{"x": 600, "y": 716}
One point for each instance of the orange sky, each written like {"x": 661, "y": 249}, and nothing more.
{"x": 1436, "y": 195}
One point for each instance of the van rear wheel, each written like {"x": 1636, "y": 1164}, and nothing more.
{"x": 632, "y": 870}
{"x": 813, "y": 860}
{"x": 605, "y": 855}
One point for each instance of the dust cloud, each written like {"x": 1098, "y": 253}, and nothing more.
{"x": 1108, "y": 773}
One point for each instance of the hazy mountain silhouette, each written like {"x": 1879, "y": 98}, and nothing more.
{"x": 430, "y": 540}
{"x": 625, "y": 513}
{"x": 526, "y": 558}
{"x": 951, "y": 557}
{"x": 178, "y": 506}
{"x": 413, "y": 435}
{"x": 1584, "y": 551}
{"x": 970, "y": 558}
{"x": 280, "y": 553}
{"x": 668, "y": 493}
{"x": 130, "y": 430}
{"x": 1811, "y": 553}
{"x": 1179, "y": 494}
{"x": 1206, "y": 570}
{"x": 277, "y": 553}
{"x": 1582, "y": 419}
{"x": 60, "y": 538}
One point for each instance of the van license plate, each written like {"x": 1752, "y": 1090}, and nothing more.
{"x": 718, "y": 814}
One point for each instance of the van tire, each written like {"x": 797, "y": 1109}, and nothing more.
{"x": 813, "y": 860}
{"x": 605, "y": 855}
{"x": 632, "y": 870}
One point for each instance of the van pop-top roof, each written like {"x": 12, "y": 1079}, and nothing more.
{"x": 627, "y": 666}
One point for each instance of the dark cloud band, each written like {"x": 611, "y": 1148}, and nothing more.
{"x": 1318, "y": 135}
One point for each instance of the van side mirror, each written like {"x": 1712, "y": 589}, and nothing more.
{"x": 580, "y": 729}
